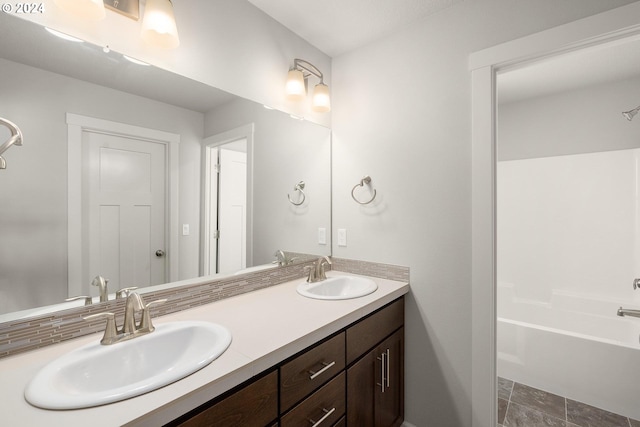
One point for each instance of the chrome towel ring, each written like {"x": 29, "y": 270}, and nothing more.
{"x": 363, "y": 181}
{"x": 299, "y": 187}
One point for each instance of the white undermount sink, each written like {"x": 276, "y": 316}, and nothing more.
{"x": 338, "y": 287}
{"x": 98, "y": 374}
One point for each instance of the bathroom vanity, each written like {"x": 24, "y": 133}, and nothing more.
{"x": 353, "y": 349}
{"x": 360, "y": 365}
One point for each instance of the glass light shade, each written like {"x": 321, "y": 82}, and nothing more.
{"x": 159, "y": 25}
{"x": 92, "y": 10}
{"x": 294, "y": 89}
{"x": 321, "y": 101}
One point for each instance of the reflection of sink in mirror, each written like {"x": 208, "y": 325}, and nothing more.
{"x": 38, "y": 311}
{"x": 338, "y": 287}
{"x": 98, "y": 374}
{"x": 256, "y": 268}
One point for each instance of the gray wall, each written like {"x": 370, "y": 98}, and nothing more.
{"x": 579, "y": 121}
{"x": 402, "y": 115}
{"x": 286, "y": 151}
{"x": 33, "y": 188}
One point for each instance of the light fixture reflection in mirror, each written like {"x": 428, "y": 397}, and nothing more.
{"x": 159, "y": 25}
{"x": 297, "y": 80}
{"x": 91, "y": 10}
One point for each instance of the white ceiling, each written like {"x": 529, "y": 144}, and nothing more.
{"x": 338, "y": 26}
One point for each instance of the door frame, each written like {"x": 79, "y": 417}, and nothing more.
{"x": 605, "y": 27}
{"x": 76, "y": 125}
{"x": 215, "y": 141}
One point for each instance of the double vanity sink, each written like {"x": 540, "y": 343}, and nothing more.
{"x": 174, "y": 362}
{"x": 97, "y": 374}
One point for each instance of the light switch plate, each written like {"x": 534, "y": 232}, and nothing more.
{"x": 185, "y": 229}
{"x": 322, "y": 236}
{"x": 342, "y": 237}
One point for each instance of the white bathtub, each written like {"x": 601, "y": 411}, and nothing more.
{"x": 575, "y": 346}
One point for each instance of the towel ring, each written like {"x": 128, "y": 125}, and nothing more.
{"x": 299, "y": 187}
{"x": 363, "y": 181}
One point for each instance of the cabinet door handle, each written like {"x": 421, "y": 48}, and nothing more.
{"x": 327, "y": 414}
{"x": 326, "y": 366}
{"x": 388, "y": 367}
{"x": 383, "y": 365}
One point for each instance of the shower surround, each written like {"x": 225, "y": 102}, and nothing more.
{"x": 568, "y": 251}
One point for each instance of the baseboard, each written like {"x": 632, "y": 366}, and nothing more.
{"x": 406, "y": 424}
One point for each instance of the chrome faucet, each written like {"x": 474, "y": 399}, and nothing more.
{"x": 130, "y": 329}
{"x": 627, "y": 312}
{"x": 316, "y": 272}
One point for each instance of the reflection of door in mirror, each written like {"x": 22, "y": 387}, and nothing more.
{"x": 232, "y": 209}
{"x": 226, "y": 207}
{"x": 125, "y": 210}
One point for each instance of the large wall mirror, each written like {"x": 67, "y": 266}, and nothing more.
{"x": 142, "y": 176}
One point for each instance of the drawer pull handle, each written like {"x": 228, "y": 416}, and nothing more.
{"x": 327, "y": 414}
{"x": 326, "y": 366}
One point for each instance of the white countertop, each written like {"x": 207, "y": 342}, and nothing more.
{"x": 267, "y": 327}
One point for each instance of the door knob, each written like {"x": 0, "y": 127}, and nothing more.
{"x": 159, "y": 253}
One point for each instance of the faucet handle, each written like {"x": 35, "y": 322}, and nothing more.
{"x": 110, "y": 331}
{"x": 145, "y": 323}
{"x": 87, "y": 299}
{"x": 311, "y": 271}
{"x": 124, "y": 292}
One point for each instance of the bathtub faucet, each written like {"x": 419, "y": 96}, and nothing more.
{"x": 626, "y": 312}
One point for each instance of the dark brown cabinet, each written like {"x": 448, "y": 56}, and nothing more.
{"x": 375, "y": 385}
{"x": 254, "y": 405}
{"x": 310, "y": 370}
{"x": 375, "y": 382}
{"x": 354, "y": 378}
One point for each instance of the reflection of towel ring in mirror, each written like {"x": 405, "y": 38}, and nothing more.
{"x": 299, "y": 187}
{"x": 363, "y": 181}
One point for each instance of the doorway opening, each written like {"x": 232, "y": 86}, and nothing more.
{"x": 227, "y": 203}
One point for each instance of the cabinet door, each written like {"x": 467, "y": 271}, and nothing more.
{"x": 389, "y": 400}
{"x": 361, "y": 389}
{"x": 375, "y": 385}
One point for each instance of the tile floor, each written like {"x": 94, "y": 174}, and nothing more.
{"x": 523, "y": 406}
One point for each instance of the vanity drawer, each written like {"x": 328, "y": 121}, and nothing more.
{"x": 367, "y": 333}
{"x": 255, "y": 405}
{"x": 310, "y": 370}
{"x": 328, "y": 403}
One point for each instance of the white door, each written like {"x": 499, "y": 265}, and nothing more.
{"x": 125, "y": 210}
{"x": 211, "y": 221}
{"x": 232, "y": 211}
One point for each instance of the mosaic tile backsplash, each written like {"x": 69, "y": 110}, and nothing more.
{"x": 22, "y": 335}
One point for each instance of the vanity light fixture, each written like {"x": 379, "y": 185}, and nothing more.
{"x": 92, "y": 10}
{"x": 159, "y": 24}
{"x": 629, "y": 114}
{"x": 296, "y": 86}
{"x": 159, "y": 27}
